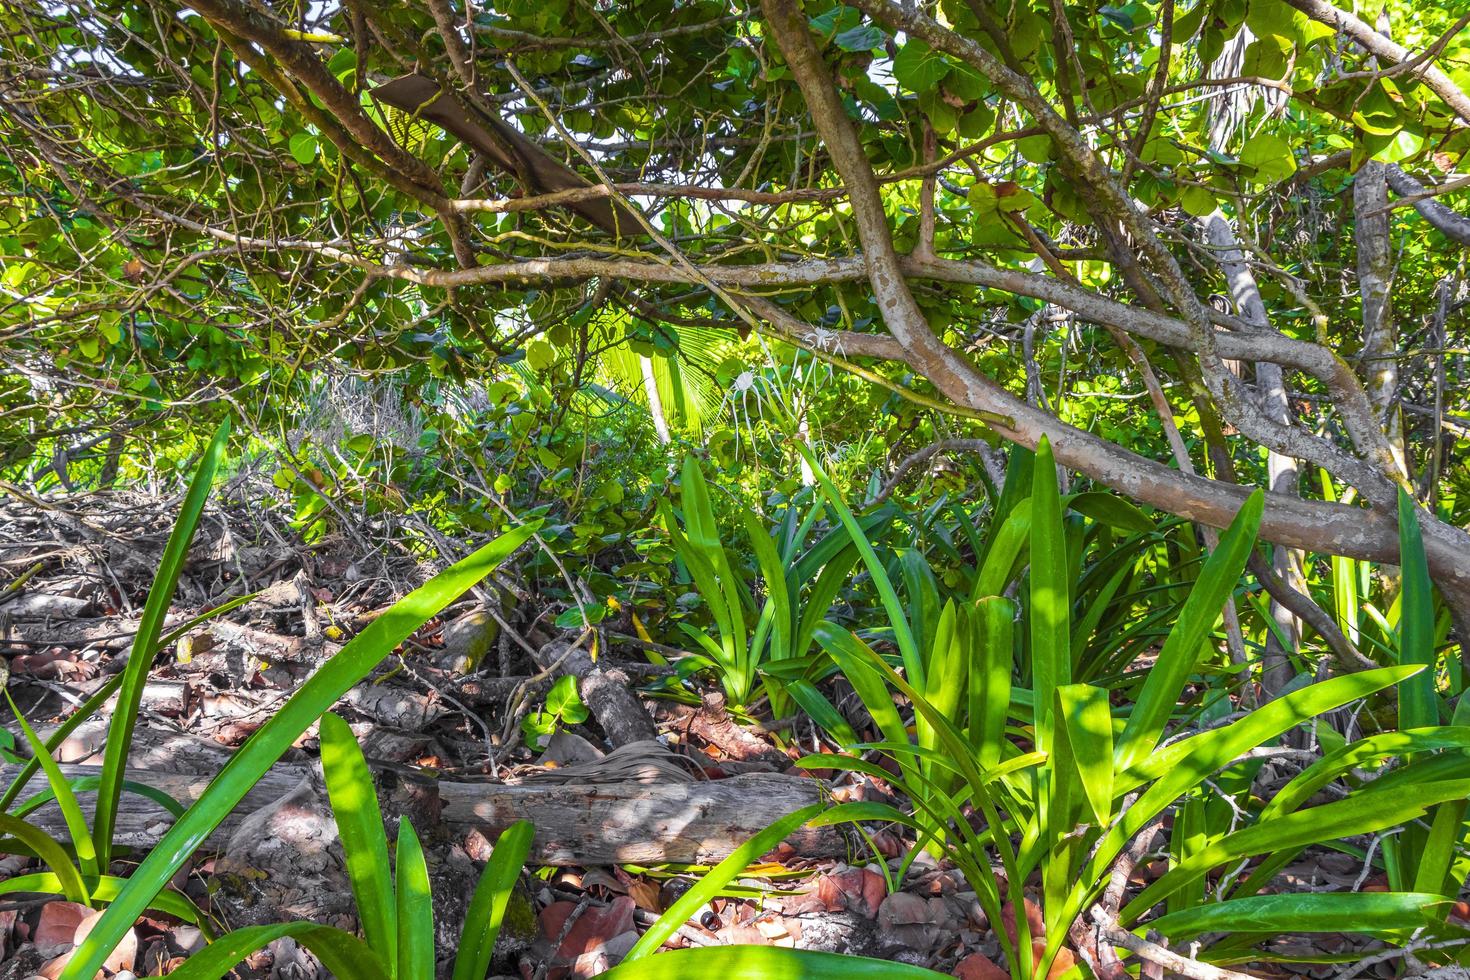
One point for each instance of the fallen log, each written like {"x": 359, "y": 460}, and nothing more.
{"x": 607, "y": 823}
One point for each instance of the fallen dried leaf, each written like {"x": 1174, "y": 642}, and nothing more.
{"x": 57, "y": 923}
{"x": 978, "y": 966}
{"x": 1035, "y": 924}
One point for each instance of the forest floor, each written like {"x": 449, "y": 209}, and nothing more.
{"x": 627, "y": 805}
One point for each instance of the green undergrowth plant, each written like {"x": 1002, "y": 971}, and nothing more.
{"x": 310, "y": 701}
{"x": 1072, "y": 774}
{"x": 394, "y": 900}
{"x": 801, "y": 571}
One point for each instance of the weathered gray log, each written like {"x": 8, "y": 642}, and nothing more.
{"x": 614, "y": 823}
{"x": 641, "y": 823}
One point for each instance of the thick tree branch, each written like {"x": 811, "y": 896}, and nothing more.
{"x": 1379, "y": 46}
{"x": 1450, "y": 223}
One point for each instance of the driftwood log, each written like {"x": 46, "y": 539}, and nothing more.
{"x": 608, "y": 823}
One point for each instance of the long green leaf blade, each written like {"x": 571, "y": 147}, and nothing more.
{"x": 989, "y": 694}
{"x": 492, "y": 896}
{"x": 763, "y": 963}
{"x": 908, "y": 649}
{"x": 343, "y": 954}
{"x": 150, "y": 625}
{"x": 1417, "y": 702}
{"x": 71, "y": 810}
{"x": 1087, "y": 723}
{"x": 1359, "y": 814}
{"x": 33, "y": 765}
{"x": 1180, "y": 653}
{"x": 415, "y": 907}
{"x": 50, "y": 853}
{"x": 717, "y": 878}
{"x": 354, "y": 802}
{"x": 1050, "y": 608}
{"x": 1369, "y": 912}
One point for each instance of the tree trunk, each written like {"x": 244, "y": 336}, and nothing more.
{"x": 1282, "y": 471}
{"x": 1375, "y": 275}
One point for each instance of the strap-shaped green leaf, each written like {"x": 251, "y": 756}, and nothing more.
{"x": 989, "y": 694}
{"x": 1370, "y": 912}
{"x": 908, "y": 649}
{"x": 71, "y": 810}
{"x": 1418, "y": 705}
{"x": 717, "y": 878}
{"x": 415, "y": 906}
{"x": 104, "y": 889}
{"x": 1181, "y": 651}
{"x": 492, "y": 896}
{"x": 1363, "y": 813}
{"x": 1050, "y": 605}
{"x": 354, "y": 800}
{"x": 763, "y": 963}
{"x": 51, "y": 853}
{"x": 1085, "y": 720}
{"x": 343, "y": 954}
{"x": 150, "y": 625}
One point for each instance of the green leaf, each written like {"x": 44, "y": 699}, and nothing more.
{"x": 492, "y": 896}
{"x": 903, "y": 636}
{"x": 71, "y": 810}
{"x": 1363, "y": 813}
{"x": 1418, "y": 706}
{"x": 540, "y": 355}
{"x": 1198, "y": 201}
{"x": 150, "y": 625}
{"x": 865, "y": 37}
{"x": 919, "y": 67}
{"x": 354, "y": 800}
{"x": 415, "y": 906}
{"x": 1364, "y": 753}
{"x": 989, "y": 694}
{"x": 1179, "y": 767}
{"x": 763, "y": 963}
{"x": 564, "y": 701}
{"x": 94, "y": 704}
{"x": 333, "y": 679}
{"x": 1050, "y": 606}
{"x": 303, "y": 148}
{"x": 1086, "y": 722}
{"x": 84, "y": 784}
{"x": 1370, "y": 912}
{"x": 51, "y": 854}
{"x": 1181, "y": 651}
{"x": 343, "y": 954}
{"x": 1270, "y": 158}
{"x": 821, "y": 711}
{"x": 949, "y": 662}
{"x": 1267, "y": 56}
{"x": 104, "y": 889}
{"x": 855, "y": 658}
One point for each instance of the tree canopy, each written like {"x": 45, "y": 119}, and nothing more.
{"x": 1200, "y": 246}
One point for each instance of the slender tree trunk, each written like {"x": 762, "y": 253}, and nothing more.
{"x": 1283, "y": 473}
{"x": 1375, "y": 275}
